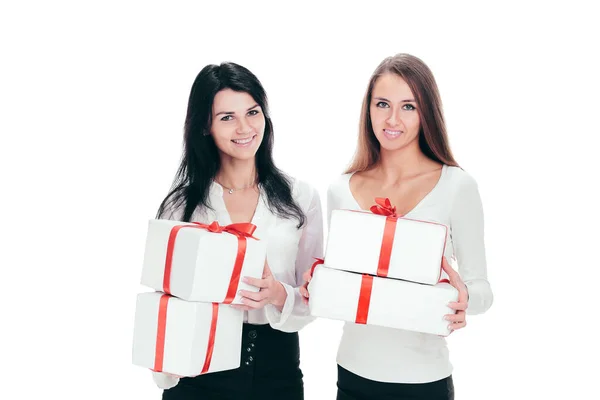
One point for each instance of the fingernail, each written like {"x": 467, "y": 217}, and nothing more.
{"x": 245, "y": 280}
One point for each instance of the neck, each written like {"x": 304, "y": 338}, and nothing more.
{"x": 397, "y": 165}
{"x": 236, "y": 174}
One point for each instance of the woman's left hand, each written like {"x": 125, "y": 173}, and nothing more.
{"x": 271, "y": 292}
{"x": 458, "y": 320}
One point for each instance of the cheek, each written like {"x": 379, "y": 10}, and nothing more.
{"x": 413, "y": 121}
{"x": 259, "y": 126}
{"x": 220, "y": 134}
{"x": 378, "y": 116}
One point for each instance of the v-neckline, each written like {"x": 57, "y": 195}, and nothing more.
{"x": 429, "y": 194}
{"x": 258, "y": 211}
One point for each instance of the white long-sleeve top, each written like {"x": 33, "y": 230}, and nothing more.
{"x": 400, "y": 356}
{"x": 290, "y": 253}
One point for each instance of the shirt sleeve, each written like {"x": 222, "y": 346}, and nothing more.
{"x": 164, "y": 381}
{"x": 467, "y": 232}
{"x": 295, "y": 314}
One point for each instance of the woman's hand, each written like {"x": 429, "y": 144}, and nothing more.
{"x": 307, "y": 276}
{"x": 271, "y": 292}
{"x": 458, "y": 320}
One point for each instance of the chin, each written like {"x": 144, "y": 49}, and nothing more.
{"x": 396, "y": 144}
{"x": 244, "y": 155}
{"x": 389, "y": 145}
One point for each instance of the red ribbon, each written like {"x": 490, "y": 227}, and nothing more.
{"x": 159, "y": 353}
{"x": 364, "y": 299}
{"x": 211, "y": 338}
{"x": 318, "y": 262}
{"x": 384, "y": 207}
{"x": 241, "y": 231}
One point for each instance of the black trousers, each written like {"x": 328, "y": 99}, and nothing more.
{"x": 354, "y": 387}
{"x": 270, "y": 369}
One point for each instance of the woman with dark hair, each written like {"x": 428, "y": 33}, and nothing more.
{"x": 227, "y": 174}
{"x": 403, "y": 154}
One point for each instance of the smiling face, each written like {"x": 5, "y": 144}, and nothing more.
{"x": 238, "y": 124}
{"x": 394, "y": 117}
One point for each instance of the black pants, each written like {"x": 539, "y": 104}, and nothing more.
{"x": 354, "y": 387}
{"x": 270, "y": 369}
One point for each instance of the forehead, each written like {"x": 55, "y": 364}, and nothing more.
{"x": 392, "y": 87}
{"x": 230, "y": 100}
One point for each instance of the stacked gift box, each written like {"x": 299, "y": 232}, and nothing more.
{"x": 382, "y": 269}
{"x": 186, "y": 326}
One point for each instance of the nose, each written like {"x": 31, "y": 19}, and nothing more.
{"x": 244, "y": 127}
{"x": 394, "y": 117}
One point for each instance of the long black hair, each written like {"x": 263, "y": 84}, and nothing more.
{"x": 200, "y": 160}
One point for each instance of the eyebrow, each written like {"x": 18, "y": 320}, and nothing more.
{"x": 402, "y": 101}
{"x": 231, "y": 112}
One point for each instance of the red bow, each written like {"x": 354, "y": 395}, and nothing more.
{"x": 384, "y": 207}
{"x": 241, "y": 229}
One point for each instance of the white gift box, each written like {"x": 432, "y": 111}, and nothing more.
{"x": 355, "y": 241}
{"x": 187, "y": 331}
{"x": 202, "y": 262}
{"x": 392, "y": 303}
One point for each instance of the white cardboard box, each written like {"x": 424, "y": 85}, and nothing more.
{"x": 393, "y": 303}
{"x": 202, "y": 262}
{"x": 355, "y": 240}
{"x": 186, "y": 339}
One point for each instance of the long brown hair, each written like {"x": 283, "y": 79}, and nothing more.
{"x": 433, "y": 139}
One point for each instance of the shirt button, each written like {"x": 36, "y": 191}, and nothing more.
{"x": 248, "y": 349}
{"x": 250, "y": 359}
{"x": 247, "y": 363}
{"x": 252, "y": 334}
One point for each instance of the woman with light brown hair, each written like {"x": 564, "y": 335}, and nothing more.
{"x": 403, "y": 154}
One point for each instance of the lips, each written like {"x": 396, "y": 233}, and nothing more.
{"x": 243, "y": 142}
{"x": 392, "y": 134}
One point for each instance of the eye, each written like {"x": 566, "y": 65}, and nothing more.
{"x": 253, "y": 112}
{"x": 383, "y": 104}
{"x": 409, "y": 107}
{"x": 227, "y": 118}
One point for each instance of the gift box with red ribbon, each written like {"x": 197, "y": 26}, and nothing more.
{"x": 384, "y": 244}
{"x": 201, "y": 262}
{"x": 372, "y": 300}
{"x": 185, "y": 338}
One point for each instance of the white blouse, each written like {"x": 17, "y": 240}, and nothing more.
{"x": 290, "y": 253}
{"x": 400, "y": 356}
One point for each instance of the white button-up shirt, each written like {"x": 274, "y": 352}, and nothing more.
{"x": 290, "y": 252}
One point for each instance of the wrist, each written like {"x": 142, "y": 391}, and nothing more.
{"x": 280, "y": 297}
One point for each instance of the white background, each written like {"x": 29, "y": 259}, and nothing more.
{"x": 93, "y": 98}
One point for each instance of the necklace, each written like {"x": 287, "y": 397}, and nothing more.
{"x": 231, "y": 190}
